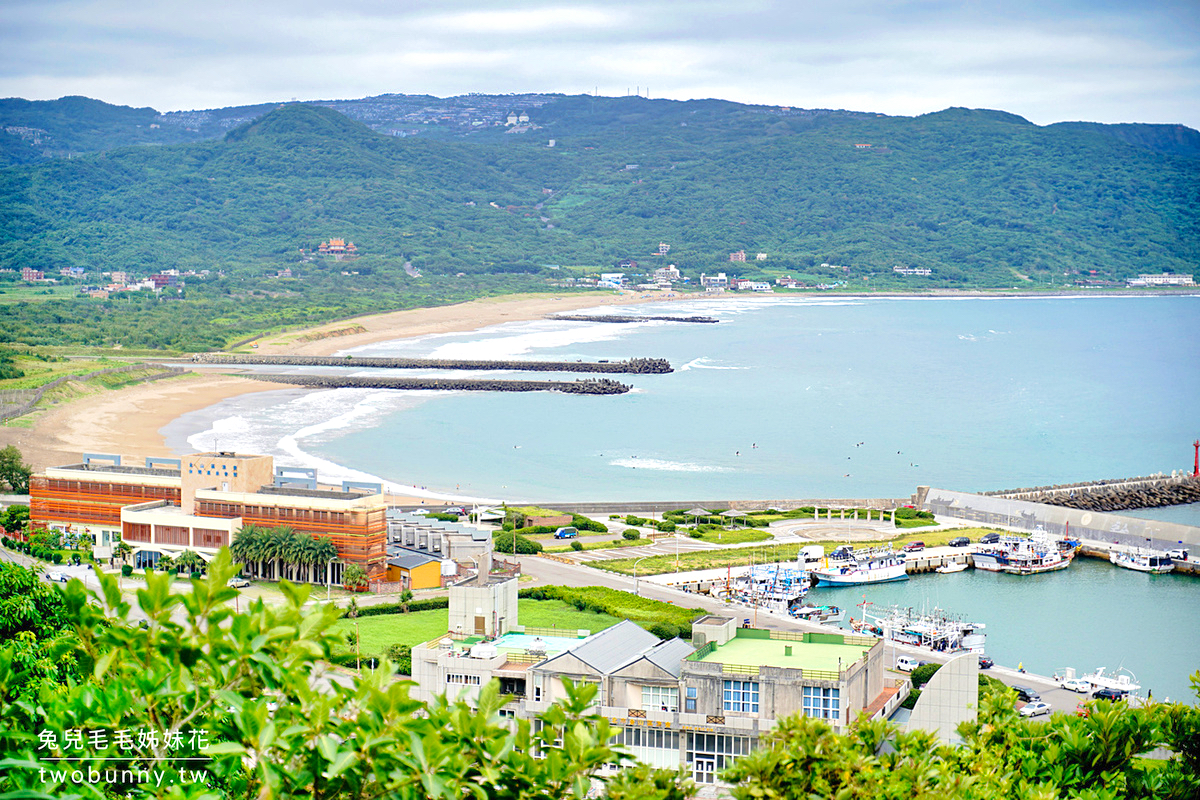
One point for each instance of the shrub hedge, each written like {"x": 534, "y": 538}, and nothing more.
{"x": 662, "y": 619}
{"x": 425, "y": 604}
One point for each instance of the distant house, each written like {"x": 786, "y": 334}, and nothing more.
{"x": 740, "y": 255}
{"x": 614, "y": 280}
{"x": 29, "y": 274}
{"x": 668, "y": 274}
{"x": 761, "y": 257}
{"x": 663, "y": 248}
{"x": 718, "y": 281}
{"x": 627, "y": 263}
{"x": 912, "y": 270}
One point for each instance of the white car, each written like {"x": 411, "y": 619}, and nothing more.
{"x": 59, "y": 577}
{"x": 1077, "y": 685}
{"x": 239, "y": 582}
{"x": 906, "y": 664}
{"x": 1034, "y": 709}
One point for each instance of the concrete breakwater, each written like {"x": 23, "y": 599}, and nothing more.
{"x": 1122, "y": 495}
{"x": 627, "y": 318}
{"x": 585, "y": 386}
{"x": 632, "y": 366}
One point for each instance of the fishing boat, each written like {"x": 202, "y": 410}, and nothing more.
{"x": 1023, "y": 555}
{"x": 819, "y": 613}
{"x": 938, "y": 630}
{"x": 848, "y": 567}
{"x": 1142, "y": 560}
{"x": 951, "y": 567}
{"x": 1122, "y": 681}
{"x": 772, "y": 587}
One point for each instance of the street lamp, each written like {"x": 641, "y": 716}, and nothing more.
{"x": 636, "y": 585}
{"x": 329, "y": 577}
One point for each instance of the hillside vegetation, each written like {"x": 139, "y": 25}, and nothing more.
{"x": 981, "y": 198}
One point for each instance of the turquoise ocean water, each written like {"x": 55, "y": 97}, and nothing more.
{"x": 818, "y": 398}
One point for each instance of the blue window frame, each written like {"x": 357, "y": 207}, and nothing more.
{"x": 741, "y": 696}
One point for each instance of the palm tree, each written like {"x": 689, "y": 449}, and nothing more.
{"x": 247, "y": 545}
{"x": 277, "y": 548}
{"x": 122, "y": 551}
{"x": 188, "y": 560}
{"x": 293, "y": 553}
{"x": 324, "y": 551}
{"x": 164, "y": 563}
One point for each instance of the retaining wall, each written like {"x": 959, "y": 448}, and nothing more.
{"x": 632, "y": 366}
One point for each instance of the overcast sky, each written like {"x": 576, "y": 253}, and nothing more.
{"x": 1047, "y": 60}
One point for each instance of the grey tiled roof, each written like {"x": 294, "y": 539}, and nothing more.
{"x": 614, "y": 647}
{"x": 669, "y": 654}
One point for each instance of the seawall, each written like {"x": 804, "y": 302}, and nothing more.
{"x": 1125, "y": 494}
{"x": 629, "y": 318}
{"x": 632, "y": 366}
{"x": 587, "y": 386}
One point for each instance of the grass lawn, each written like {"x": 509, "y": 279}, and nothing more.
{"x": 379, "y": 633}
{"x": 740, "y": 536}
{"x": 741, "y": 556}
{"x": 600, "y": 545}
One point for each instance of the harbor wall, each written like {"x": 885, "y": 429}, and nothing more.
{"x": 585, "y": 386}
{"x": 632, "y": 366}
{"x": 1154, "y": 491}
{"x": 659, "y": 506}
{"x": 1097, "y": 526}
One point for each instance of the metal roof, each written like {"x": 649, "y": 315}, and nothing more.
{"x": 614, "y": 647}
{"x": 410, "y": 560}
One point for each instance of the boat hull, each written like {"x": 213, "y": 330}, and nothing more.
{"x": 855, "y": 577}
{"x": 989, "y": 562}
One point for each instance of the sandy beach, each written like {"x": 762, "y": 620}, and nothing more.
{"x": 130, "y": 421}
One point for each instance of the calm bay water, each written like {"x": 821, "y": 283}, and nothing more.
{"x": 804, "y": 398}
{"x": 1087, "y": 616}
{"x": 817, "y": 398}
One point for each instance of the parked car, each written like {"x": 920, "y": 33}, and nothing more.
{"x": 959, "y": 541}
{"x": 59, "y": 577}
{"x": 1025, "y": 694}
{"x": 1108, "y": 694}
{"x": 913, "y": 547}
{"x": 566, "y": 533}
{"x": 459, "y": 510}
{"x": 906, "y": 664}
{"x": 420, "y": 512}
{"x": 1178, "y": 555}
{"x": 989, "y": 538}
{"x": 1077, "y": 685}
{"x": 986, "y": 663}
{"x": 1034, "y": 709}
{"x": 239, "y": 582}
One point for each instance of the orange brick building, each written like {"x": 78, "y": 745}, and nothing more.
{"x": 199, "y": 503}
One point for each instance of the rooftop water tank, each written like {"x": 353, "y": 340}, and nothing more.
{"x": 484, "y": 650}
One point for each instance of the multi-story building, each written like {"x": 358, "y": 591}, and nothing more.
{"x": 200, "y": 501}
{"x": 695, "y": 705}
{"x": 1163, "y": 279}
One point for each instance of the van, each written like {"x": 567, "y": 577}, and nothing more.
{"x": 906, "y": 664}
{"x": 566, "y": 533}
{"x": 1025, "y": 694}
{"x": 913, "y": 547}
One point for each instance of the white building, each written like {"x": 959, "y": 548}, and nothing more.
{"x": 1163, "y": 279}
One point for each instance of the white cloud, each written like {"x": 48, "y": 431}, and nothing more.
{"x": 1119, "y": 60}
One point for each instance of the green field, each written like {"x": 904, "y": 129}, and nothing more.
{"x": 378, "y": 633}
{"x": 742, "y": 556}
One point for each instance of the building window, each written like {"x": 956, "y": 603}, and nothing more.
{"x": 741, "y": 696}
{"x": 465, "y": 680}
{"x": 689, "y": 701}
{"x": 660, "y": 698}
{"x": 821, "y": 703}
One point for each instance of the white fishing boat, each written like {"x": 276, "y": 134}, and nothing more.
{"x": 951, "y": 567}
{"x": 1142, "y": 560}
{"x": 938, "y": 630}
{"x": 772, "y": 587}
{"x": 848, "y": 567}
{"x": 819, "y": 613}
{"x": 1122, "y": 681}
{"x": 1023, "y": 555}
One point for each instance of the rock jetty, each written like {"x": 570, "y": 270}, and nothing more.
{"x": 1119, "y": 495}
{"x": 583, "y": 386}
{"x": 632, "y": 366}
{"x": 624, "y": 318}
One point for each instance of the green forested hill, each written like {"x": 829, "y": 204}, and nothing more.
{"x": 984, "y": 199}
